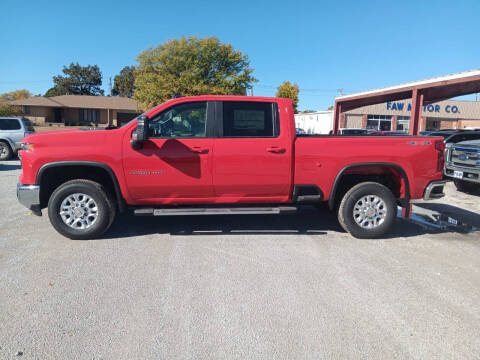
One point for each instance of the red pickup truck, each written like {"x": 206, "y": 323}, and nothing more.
{"x": 223, "y": 155}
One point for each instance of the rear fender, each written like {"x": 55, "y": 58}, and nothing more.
{"x": 374, "y": 169}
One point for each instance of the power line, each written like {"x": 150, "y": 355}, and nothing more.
{"x": 24, "y": 82}
{"x": 319, "y": 90}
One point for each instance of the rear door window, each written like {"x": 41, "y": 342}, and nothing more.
{"x": 249, "y": 119}
{"x": 9, "y": 124}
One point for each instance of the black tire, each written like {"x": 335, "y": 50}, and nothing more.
{"x": 6, "y": 151}
{"x": 346, "y": 216}
{"x": 465, "y": 186}
{"x": 105, "y": 205}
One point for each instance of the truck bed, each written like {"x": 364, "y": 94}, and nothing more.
{"x": 320, "y": 159}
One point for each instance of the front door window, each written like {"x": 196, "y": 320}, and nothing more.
{"x": 181, "y": 121}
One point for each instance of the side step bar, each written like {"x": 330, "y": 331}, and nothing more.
{"x": 214, "y": 211}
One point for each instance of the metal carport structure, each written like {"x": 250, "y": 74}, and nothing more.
{"x": 422, "y": 92}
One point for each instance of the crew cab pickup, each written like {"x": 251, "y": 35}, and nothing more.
{"x": 223, "y": 155}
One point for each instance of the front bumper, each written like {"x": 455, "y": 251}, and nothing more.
{"x": 469, "y": 173}
{"x": 434, "y": 190}
{"x": 29, "y": 196}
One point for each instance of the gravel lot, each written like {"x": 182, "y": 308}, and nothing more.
{"x": 244, "y": 287}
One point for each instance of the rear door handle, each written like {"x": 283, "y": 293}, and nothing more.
{"x": 276, "y": 149}
{"x": 200, "y": 149}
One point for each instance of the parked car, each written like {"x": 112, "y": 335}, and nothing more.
{"x": 462, "y": 136}
{"x": 390, "y": 133}
{"x": 12, "y": 131}
{"x": 353, "y": 131}
{"x": 300, "y": 131}
{"x": 223, "y": 155}
{"x": 462, "y": 164}
{"x": 442, "y": 133}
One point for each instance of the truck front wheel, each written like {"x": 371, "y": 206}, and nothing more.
{"x": 367, "y": 210}
{"x": 81, "y": 209}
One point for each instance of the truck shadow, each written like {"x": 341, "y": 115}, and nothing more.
{"x": 449, "y": 217}
{"x": 307, "y": 221}
{"x": 9, "y": 165}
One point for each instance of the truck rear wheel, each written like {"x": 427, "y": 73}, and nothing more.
{"x": 5, "y": 151}
{"x": 465, "y": 186}
{"x": 367, "y": 210}
{"x": 81, "y": 209}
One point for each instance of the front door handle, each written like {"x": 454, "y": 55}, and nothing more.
{"x": 276, "y": 149}
{"x": 200, "y": 149}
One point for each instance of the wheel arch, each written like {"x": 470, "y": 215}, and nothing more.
{"x": 47, "y": 170}
{"x": 338, "y": 179}
{"x": 9, "y": 142}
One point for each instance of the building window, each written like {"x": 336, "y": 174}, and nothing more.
{"x": 379, "y": 122}
{"x": 89, "y": 115}
{"x": 26, "y": 109}
{"x": 403, "y": 123}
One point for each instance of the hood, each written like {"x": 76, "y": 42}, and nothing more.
{"x": 473, "y": 143}
{"x": 68, "y": 137}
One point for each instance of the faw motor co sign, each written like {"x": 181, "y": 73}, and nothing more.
{"x": 432, "y": 108}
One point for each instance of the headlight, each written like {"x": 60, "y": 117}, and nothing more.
{"x": 27, "y": 146}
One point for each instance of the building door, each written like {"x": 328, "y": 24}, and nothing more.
{"x": 174, "y": 164}
{"x": 433, "y": 124}
{"x": 123, "y": 118}
{"x": 58, "y": 115}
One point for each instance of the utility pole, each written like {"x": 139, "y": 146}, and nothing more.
{"x": 110, "y": 85}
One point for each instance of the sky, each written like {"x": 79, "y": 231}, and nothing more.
{"x": 323, "y": 46}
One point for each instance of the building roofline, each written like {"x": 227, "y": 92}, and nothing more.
{"x": 412, "y": 84}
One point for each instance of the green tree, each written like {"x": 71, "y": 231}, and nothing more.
{"x": 77, "y": 80}
{"x": 190, "y": 66}
{"x": 54, "y": 91}
{"x": 124, "y": 83}
{"x": 287, "y": 90}
{"x": 7, "y": 110}
{"x": 16, "y": 95}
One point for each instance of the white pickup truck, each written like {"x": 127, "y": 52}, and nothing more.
{"x": 462, "y": 163}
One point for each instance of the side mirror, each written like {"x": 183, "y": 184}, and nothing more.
{"x": 141, "y": 132}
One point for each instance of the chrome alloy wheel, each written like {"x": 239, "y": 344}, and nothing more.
{"x": 370, "y": 211}
{"x": 79, "y": 211}
{"x": 3, "y": 149}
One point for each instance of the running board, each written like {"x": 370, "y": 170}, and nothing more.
{"x": 215, "y": 211}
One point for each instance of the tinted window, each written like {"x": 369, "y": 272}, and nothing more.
{"x": 28, "y": 124}
{"x": 184, "y": 120}
{"x": 248, "y": 119}
{"x": 9, "y": 124}
{"x": 463, "y": 137}
{"x": 354, "y": 132}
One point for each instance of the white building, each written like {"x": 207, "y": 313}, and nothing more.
{"x": 318, "y": 122}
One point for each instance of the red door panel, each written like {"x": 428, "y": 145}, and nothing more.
{"x": 249, "y": 170}
{"x": 170, "y": 171}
